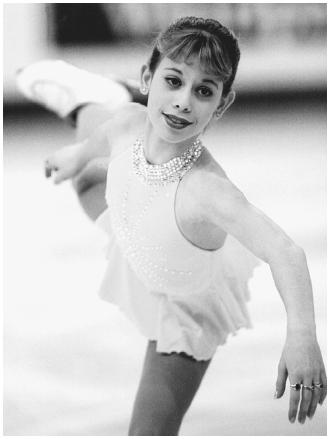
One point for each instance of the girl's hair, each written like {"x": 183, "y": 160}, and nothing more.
{"x": 215, "y": 45}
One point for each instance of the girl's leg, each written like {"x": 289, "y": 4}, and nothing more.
{"x": 168, "y": 385}
{"x": 89, "y": 117}
{"x": 91, "y": 195}
{"x": 93, "y": 201}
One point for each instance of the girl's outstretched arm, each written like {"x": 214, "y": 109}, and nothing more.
{"x": 86, "y": 162}
{"x": 69, "y": 162}
{"x": 301, "y": 360}
{"x": 103, "y": 141}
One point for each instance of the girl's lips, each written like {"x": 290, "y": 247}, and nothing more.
{"x": 176, "y": 122}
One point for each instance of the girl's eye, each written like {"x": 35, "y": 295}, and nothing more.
{"x": 173, "y": 81}
{"x": 204, "y": 92}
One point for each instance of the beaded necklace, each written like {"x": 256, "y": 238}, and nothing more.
{"x": 168, "y": 172}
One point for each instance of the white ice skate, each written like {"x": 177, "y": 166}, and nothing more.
{"x": 62, "y": 87}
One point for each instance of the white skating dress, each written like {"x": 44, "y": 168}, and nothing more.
{"x": 186, "y": 298}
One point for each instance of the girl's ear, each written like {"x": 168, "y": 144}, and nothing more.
{"x": 146, "y": 77}
{"x": 225, "y": 103}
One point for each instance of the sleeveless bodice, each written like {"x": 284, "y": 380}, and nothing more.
{"x": 143, "y": 218}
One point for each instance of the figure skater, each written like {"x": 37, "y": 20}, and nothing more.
{"x": 183, "y": 239}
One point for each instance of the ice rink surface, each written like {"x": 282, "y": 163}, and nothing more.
{"x": 72, "y": 361}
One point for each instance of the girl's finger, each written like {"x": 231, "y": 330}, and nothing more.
{"x": 324, "y": 389}
{"x": 307, "y": 395}
{"x": 48, "y": 172}
{"x": 48, "y": 169}
{"x": 60, "y": 177}
{"x": 294, "y": 399}
{"x": 281, "y": 380}
{"x": 315, "y": 397}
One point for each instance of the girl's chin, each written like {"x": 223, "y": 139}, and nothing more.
{"x": 178, "y": 135}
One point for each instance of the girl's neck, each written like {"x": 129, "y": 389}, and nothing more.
{"x": 158, "y": 150}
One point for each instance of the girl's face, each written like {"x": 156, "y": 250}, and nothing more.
{"x": 182, "y": 99}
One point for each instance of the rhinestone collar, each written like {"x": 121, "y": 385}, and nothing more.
{"x": 168, "y": 172}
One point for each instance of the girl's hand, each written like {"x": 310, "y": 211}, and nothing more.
{"x": 65, "y": 163}
{"x": 302, "y": 361}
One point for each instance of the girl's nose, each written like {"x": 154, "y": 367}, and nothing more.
{"x": 182, "y": 103}
{"x": 184, "y": 108}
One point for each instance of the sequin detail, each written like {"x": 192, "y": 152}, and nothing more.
{"x": 168, "y": 172}
{"x": 148, "y": 260}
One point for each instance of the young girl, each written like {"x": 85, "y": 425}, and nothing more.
{"x": 176, "y": 224}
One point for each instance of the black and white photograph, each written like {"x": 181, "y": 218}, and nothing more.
{"x": 165, "y": 219}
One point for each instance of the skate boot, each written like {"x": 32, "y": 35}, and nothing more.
{"x": 62, "y": 88}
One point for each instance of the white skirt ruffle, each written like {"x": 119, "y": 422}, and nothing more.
{"x": 195, "y": 324}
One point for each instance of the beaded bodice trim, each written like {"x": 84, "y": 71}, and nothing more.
{"x": 143, "y": 220}
{"x": 168, "y": 172}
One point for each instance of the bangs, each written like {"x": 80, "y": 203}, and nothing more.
{"x": 213, "y": 59}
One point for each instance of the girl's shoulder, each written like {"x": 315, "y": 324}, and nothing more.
{"x": 206, "y": 183}
{"x": 131, "y": 110}
{"x": 207, "y": 172}
{"x": 127, "y": 118}
{"x": 125, "y": 124}
{"x": 212, "y": 178}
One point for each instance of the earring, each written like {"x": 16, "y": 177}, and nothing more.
{"x": 144, "y": 90}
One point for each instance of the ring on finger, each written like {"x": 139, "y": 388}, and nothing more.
{"x": 296, "y": 386}
{"x": 318, "y": 385}
{"x": 311, "y": 388}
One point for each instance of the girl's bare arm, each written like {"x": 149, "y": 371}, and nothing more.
{"x": 103, "y": 142}
{"x": 225, "y": 206}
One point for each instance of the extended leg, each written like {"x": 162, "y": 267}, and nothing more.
{"x": 86, "y": 100}
{"x": 89, "y": 117}
{"x": 168, "y": 385}
{"x": 91, "y": 195}
{"x": 65, "y": 89}
{"x": 61, "y": 87}
{"x": 90, "y": 183}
